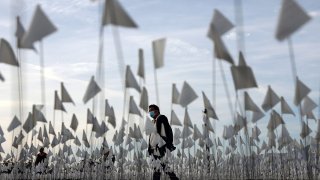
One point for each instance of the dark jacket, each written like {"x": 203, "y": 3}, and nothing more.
{"x": 40, "y": 158}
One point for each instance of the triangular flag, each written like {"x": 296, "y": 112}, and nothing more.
{"x": 14, "y": 124}
{"x": 57, "y": 102}
{"x": 196, "y": 133}
{"x": 242, "y": 75}
{"x": 175, "y": 94}
{"x": 45, "y": 132}
{"x": 249, "y": 105}
{"x": 112, "y": 117}
{"x": 115, "y": 14}
{"x": 40, "y": 137}
{"x": 141, "y": 64}
{"x": 65, "y": 97}
{"x": 174, "y": 119}
{"x": 144, "y": 103}
{"x": 308, "y": 105}
{"x": 207, "y": 105}
{"x": 186, "y": 132}
{"x": 51, "y": 129}
{"x": 275, "y": 121}
{"x": 221, "y": 52}
{"x": 187, "y": 95}
{"x": 301, "y": 92}
{"x": 20, "y": 31}
{"x": 29, "y": 124}
{"x": 187, "y": 120}
{"x": 291, "y": 18}
{"x": 221, "y": 24}
{"x": 92, "y": 90}
{"x": 305, "y": 131}
{"x": 7, "y": 55}
{"x": 131, "y": 81}
{"x": 38, "y": 115}
{"x": 77, "y": 142}
{"x": 256, "y": 116}
{"x": 285, "y": 108}
{"x": 74, "y": 122}
{"x": 90, "y": 117}
{"x": 40, "y": 27}
{"x": 85, "y": 139}
{"x": 158, "y": 47}
{"x": 133, "y": 108}
{"x": 270, "y": 100}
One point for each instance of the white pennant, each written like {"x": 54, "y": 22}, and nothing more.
{"x": 131, "y": 81}
{"x": 40, "y": 27}
{"x": 29, "y": 124}
{"x": 301, "y": 91}
{"x": 92, "y": 90}
{"x": 220, "y": 23}
{"x": 144, "y": 103}
{"x": 174, "y": 119}
{"x": 133, "y": 108}
{"x": 14, "y": 124}
{"x": 270, "y": 100}
{"x": 207, "y": 105}
{"x": 158, "y": 47}
{"x": 175, "y": 94}
{"x": 7, "y": 55}
{"x": 141, "y": 70}
{"x": 187, "y": 120}
{"x": 57, "y": 102}
{"x": 115, "y": 14}
{"x": 285, "y": 108}
{"x": 74, "y": 122}
{"x": 308, "y": 105}
{"x": 187, "y": 95}
{"x": 65, "y": 97}
{"x": 291, "y": 18}
{"x": 249, "y": 105}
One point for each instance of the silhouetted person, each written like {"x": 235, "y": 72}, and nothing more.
{"x": 41, "y": 156}
{"x": 164, "y": 132}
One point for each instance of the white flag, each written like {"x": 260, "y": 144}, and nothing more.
{"x": 7, "y": 55}
{"x": 158, "y": 47}
{"x": 115, "y": 14}
{"x": 92, "y": 90}
{"x": 187, "y": 95}
{"x": 291, "y": 18}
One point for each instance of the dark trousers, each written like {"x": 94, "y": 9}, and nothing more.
{"x": 157, "y": 173}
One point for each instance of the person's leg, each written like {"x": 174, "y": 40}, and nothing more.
{"x": 172, "y": 175}
{"x": 156, "y": 174}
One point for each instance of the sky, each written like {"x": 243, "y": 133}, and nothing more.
{"x": 71, "y": 57}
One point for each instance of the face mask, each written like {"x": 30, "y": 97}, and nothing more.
{"x": 151, "y": 113}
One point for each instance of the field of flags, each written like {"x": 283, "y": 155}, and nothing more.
{"x": 85, "y": 153}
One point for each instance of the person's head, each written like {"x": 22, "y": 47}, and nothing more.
{"x": 41, "y": 149}
{"x": 154, "y": 111}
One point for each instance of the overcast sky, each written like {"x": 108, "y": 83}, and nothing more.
{"x": 71, "y": 56}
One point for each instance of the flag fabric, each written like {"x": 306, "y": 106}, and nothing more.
{"x": 131, "y": 81}
{"x": 115, "y": 14}
{"x": 92, "y": 90}
{"x": 158, "y": 47}
{"x": 14, "y": 124}
{"x": 141, "y": 71}
{"x": 187, "y": 95}
{"x": 40, "y": 27}
{"x": 7, "y": 55}
{"x": 291, "y": 18}
{"x": 65, "y": 97}
{"x": 271, "y": 99}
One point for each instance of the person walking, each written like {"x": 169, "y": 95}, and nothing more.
{"x": 164, "y": 132}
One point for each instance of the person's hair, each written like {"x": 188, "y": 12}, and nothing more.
{"x": 41, "y": 149}
{"x": 155, "y": 107}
